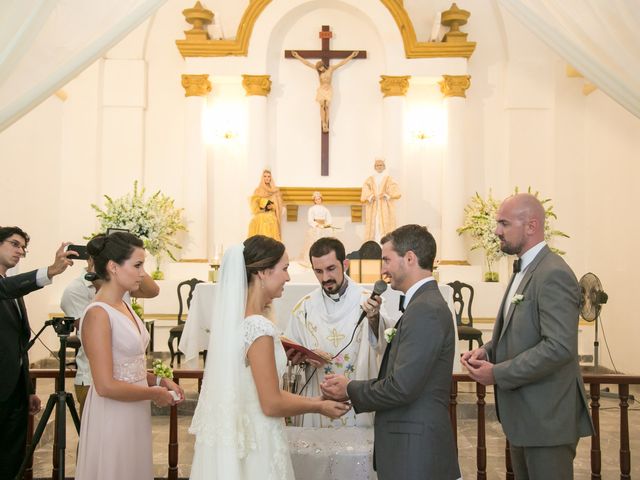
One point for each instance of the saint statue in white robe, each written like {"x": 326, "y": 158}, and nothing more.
{"x": 379, "y": 194}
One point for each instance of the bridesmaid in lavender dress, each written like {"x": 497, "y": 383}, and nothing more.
{"x": 115, "y": 433}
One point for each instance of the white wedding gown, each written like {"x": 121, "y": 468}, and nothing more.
{"x": 262, "y": 450}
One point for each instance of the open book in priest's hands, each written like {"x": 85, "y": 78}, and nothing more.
{"x": 288, "y": 344}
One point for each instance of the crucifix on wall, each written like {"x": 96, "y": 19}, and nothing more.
{"x": 324, "y": 93}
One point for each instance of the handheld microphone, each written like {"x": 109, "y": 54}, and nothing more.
{"x": 378, "y": 289}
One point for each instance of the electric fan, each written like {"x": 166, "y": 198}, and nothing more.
{"x": 592, "y": 299}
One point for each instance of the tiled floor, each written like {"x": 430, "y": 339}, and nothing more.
{"x": 466, "y": 439}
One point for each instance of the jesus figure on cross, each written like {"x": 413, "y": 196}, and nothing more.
{"x": 324, "y": 93}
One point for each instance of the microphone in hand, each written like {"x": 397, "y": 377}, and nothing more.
{"x": 378, "y": 289}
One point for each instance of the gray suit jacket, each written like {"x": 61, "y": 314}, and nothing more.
{"x": 539, "y": 391}
{"x": 413, "y": 433}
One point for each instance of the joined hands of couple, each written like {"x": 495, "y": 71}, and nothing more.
{"x": 334, "y": 396}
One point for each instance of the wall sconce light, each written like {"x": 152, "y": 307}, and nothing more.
{"x": 228, "y": 135}
{"x": 422, "y": 136}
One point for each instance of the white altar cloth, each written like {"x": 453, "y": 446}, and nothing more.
{"x": 331, "y": 453}
{"x": 195, "y": 336}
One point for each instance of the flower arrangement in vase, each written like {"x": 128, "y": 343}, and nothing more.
{"x": 480, "y": 224}
{"x": 156, "y": 220}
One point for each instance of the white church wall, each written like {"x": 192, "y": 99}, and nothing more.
{"x": 31, "y": 189}
{"x": 165, "y": 113}
{"x": 611, "y": 231}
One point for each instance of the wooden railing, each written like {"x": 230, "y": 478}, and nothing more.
{"x": 594, "y": 383}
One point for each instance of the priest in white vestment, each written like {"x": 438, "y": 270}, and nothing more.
{"x": 325, "y": 320}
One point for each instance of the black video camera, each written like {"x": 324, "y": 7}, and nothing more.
{"x": 62, "y": 325}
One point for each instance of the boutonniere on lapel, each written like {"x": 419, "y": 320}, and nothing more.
{"x": 389, "y": 333}
{"x": 517, "y": 298}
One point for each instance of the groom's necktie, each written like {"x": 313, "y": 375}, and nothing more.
{"x": 401, "y": 304}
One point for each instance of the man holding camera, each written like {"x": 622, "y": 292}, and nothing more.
{"x": 17, "y": 398}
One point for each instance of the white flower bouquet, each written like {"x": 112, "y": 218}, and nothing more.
{"x": 480, "y": 224}
{"x": 155, "y": 220}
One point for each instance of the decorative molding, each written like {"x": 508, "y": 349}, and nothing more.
{"x": 454, "y": 18}
{"x": 199, "y": 17}
{"x": 394, "y": 86}
{"x": 455, "y": 85}
{"x": 193, "y": 260}
{"x": 221, "y": 48}
{"x": 196, "y": 85}
{"x": 415, "y": 49}
{"x": 198, "y": 44}
{"x": 62, "y": 95}
{"x": 587, "y": 87}
{"x": 293, "y": 197}
{"x": 257, "y": 84}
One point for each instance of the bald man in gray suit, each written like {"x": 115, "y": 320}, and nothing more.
{"x": 532, "y": 358}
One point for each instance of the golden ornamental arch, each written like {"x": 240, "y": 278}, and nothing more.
{"x": 198, "y": 44}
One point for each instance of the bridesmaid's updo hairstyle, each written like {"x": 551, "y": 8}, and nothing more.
{"x": 117, "y": 247}
{"x": 261, "y": 253}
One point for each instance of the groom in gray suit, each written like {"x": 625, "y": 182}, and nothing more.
{"x": 532, "y": 358}
{"x": 413, "y": 433}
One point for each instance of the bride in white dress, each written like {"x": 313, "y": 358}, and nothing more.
{"x": 239, "y": 420}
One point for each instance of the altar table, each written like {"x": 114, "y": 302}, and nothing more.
{"x": 331, "y": 453}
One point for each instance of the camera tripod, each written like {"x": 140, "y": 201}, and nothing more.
{"x": 63, "y": 327}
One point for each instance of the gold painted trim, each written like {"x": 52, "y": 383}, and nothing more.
{"x": 293, "y": 197}
{"x": 256, "y": 84}
{"x": 415, "y": 49}
{"x": 193, "y": 260}
{"x": 196, "y": 85}
{"x": 455, "y": 85}
{"x": 463, "y": 263}
{"x": 62, "y": 95}
{"x": 394, "y": 86}
{"x": 587, "y": 87}
{"x": 455, "y": 45}
{"x": 222, "y": 48}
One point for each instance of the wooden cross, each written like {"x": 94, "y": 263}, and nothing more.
{"x": 325, "y": 54}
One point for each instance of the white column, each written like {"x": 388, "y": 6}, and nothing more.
{"x": 197, "y": 87}
{"x": 393, "y": 89}
{"x": 452, "y": 247}
{"x": 257, "y": 88}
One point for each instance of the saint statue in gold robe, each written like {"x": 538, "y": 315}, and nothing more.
{"x": 266, "y": 206}
{"x": 379, "y": 194}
